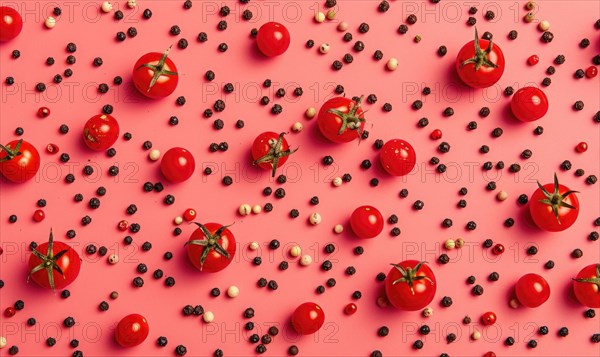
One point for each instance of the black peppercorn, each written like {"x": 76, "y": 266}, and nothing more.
{"x": 549, "y": 264}
{"x": 577, "y": 253}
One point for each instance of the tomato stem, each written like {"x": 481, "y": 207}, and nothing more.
{"x": 11, "y": 153}
{"x": 409, "y": 275}
{"x": 595, "y": 280}
{"x": 555, "y": 199}
{"x": 481, "y": 57}
{"x": 274, "y": 154}
{"x": 210, "y": 242}
{"x": 48, "y": 261}
{"x": 158, "y": 69}
{"x": 350, "y": 120}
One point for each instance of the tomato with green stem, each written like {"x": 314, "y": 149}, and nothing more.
{"x": 53, "y": 265}
{"x": 19, "y": 161}
{"x": 410, "y": 285}
{"x": 532, "y": 290}
{"x": 529, "y": 104}
{"x": 270, "y": 151}
{"x": 211, "y": 247}
{"x": 479, "y": 68}
{"x": 554, "y": 207}
{"x": 11, "y": 23}
{"x": 308, "y": 318}
{"x": 132, "y": 330}
{"x": 100, "y": 132}
{"x": 587, "y": 286}
{"x": 155, "y": 75}
{"x": 341, "y": 119}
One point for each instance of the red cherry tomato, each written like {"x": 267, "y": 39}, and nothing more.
{"x": 436, "y": 134}
{"x": 529, "y": 104}
{"x": 177, "y": 165}
{"x": 189, "y": 214}
{"x": 350, "y": 309}
{"x": 155, "y": 75}
{"x": 132, "y": 330}
{"x": 100, "y": 132}
{"x": 581, "y": 147}
{"x": 488, "y": 318}
{"x": 533, "y": 60}
{"x": 489, "y": 354}
{"x": 341, "y": 119}
{"x": 587, "y": 286}
{"x": 43, "y": 112}
{"x": 220, "y": 243}
{"x": 479, "y": 63}
{"x": 10, "y": 311}
{"x": 366, "y": 222}
{"x": 554, "y": 207}
{"x": 272, "y": 39}
{"x": 19, "y": 161}
{"x": 308, "y": 318}
{"x": 39, "y": 215}
{"x": 410, "y": 285}
{"x": 270, "y": 151}
{"x": 498, "y": 249}
{"x": 11, "y": 23}
{"x": 591, "y": 72}
{"x": 397, "y": 157}
{"x": 532, "y": 290}
{"x": 56, "y": 266}
{"x": 123, "y": 225}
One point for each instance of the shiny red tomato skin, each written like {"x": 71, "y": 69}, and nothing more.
{"x": 397, "y": 157}
{"x": 350, "y": 309}
{"x": 23, "y": 167}
{"x": 11, "y": 23}
{"x": 132, "y": 330}
{"x": 100, "y": 132}
{"x": 308, "y": 318}
{"x": 142, "y": 76}
{"x": 488, "y": 318}
{"x": 366, "y": 222}
{"x": 69, "y": 263}
{"x": 260, "y": 147}
{"x": 214, "y": 262}
{"x": 529, "y": 104}
{"x": 532, "y": 290}
{"x": 177, "y": 165}
{"x": 273, "y": 39}
{"x": 329, "y": 124}
{"x": 587, "y": 293}
{"x": 400, "y": 295}
{"x": 542, "y": 214}
{"x": 485, "y": 76}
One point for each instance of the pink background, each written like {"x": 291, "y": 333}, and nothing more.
{"x": 76, "y": 99}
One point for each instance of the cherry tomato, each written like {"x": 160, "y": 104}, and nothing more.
{"x": 587, "y": 286}
{"x": 270, "y": 151}
{"x": 554, "y": 207}
{"x": 177, "y": 165}
{"x": 532, "y": 290}
{"x": 591, "y": 72}
{"x": 488, "y": 318}
{"x": 533, "y": 60}
{"x": 189, "y": 214}
{"x": 100, "y": 132}
{"x": 350, "y": 309}
{"x": 43, "y": 112}
{"x": 10, "y": 311}
{"x": 489, "y": 354}
{"x": 54, "y": 265}
{"x": 11, "y": 23}
{"x": 529, "y": 104}
{"x": 19, "y": 161}
{"x": 498, "y": 249}
{"x": 341, "y": 119}
{"x": 410, "y": 285}
{"x": 366, "y": 222}
{"x": 132, "y": 330}
{"x": 155, "y": 75}
{"x": 479, "y": 63}
{"x": 123, "y": 225}
{"x": 436, "y": 134}
{"x": 272, "y": 39}
{"x": 308, "y": 318}
{"x": 581, "y": 147}
{"x": 397, "y": 157}
{"x": 220, "y": 243}
{"x": 39, "y": 215}
{"x": 52, "y": 148}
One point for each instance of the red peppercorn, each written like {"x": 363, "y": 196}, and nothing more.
{"x": 350, "y": 309}
{"x": 581, "y": 147}
{"x": 52, "y": 148}
{"x": 591, "y": 72}
{"x": 533, "y": 60}
{"x": 189, "y": 214}
{"x": 10, "y": 312}
{"x": 43, "y": 112}
{"x": 123, "y": 225}
{"x": 489, "y": 354}
{"x": 39, "y": 215}
{"x": 498, "y": 249}
{"x": 436, "y": 134}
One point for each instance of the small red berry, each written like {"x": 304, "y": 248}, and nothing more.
{"x": 189, "y": 214}
{"x": 489, "y": 354}
{"x": 581, "y": 147}
{"x": 350, "y": 309}
{"x": 436, "y": 134}
{"x": 43, "y": 112}
{"x": 52, "y": 148}
{"x": 498, "y": 249}
{"x": 489, "y": 318}
{"x": 591, "y": 72}
{"x": 533, "y": 60}
{"x": 1, "y": 250}
{"x": 39, "y": 215}
{"x": 10, "y": 312}
{"x": 123, "y": 225}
